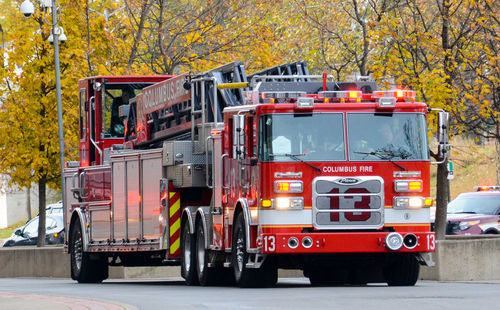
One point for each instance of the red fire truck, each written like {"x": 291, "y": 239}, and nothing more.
{"x": 233, "y": 176}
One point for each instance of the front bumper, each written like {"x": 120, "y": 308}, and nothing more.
{"x": 341, "y": 242}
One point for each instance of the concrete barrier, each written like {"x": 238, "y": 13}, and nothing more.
{"x": 465, "y": 258}
{"x": 457, "y": 259}
{"x": 33, "y": 262}
{"x": 52, "y": 262}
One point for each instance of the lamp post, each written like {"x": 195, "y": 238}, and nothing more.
{"x": 27, "y": 9}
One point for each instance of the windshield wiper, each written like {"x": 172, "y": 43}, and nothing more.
{"x": 295, "y": 157}
{"x": 387, "y": 155}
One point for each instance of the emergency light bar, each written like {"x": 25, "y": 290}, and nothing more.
{"x": 487, "y": 188}
{"x": 280, "y": 96}
{"x": 399, "y": 94}
{"x": 340, "y": 96}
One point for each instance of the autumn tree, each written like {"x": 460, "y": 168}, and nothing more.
{"x": 29, "y": 148}
{"x": 174, "y": 36}
{"x": 428, "y": 44}
{"x": 478, "y": 78}
{"x": 343, "y": 32}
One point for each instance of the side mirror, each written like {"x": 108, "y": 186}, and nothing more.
{"x": 442, "y": 135}
{"x": 18, "y": 232}
{"x": 239, "y": 136}
{"x": 443, "y": 127}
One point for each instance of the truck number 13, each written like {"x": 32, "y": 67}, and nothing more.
{"x": 431, "y": 242}
{"x": 269, "y": 243}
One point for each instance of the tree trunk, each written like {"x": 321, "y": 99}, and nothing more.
{"x": 497, "y": 147}
{"x": 441, "y": 200}
{"x": 28, "y": 202}
{"x": 442, "y": 188}
{"x": 42, "y": 183}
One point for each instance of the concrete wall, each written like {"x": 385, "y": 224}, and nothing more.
{"x": 52, "y": 262}
{"x": 13, "y": 202}
{"x": 462, "y": 259}
{"x": 465, "y": 259}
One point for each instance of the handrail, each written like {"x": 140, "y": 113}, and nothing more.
{"x": 92, "y": 129}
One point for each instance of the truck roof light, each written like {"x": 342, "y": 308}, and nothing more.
{"x": 386, "y": 102}
{"x": 340, "y": 95}
{"x": 305, "y": 102}
{"x": 401, "y": 95}
{"x": 280, "y": 96}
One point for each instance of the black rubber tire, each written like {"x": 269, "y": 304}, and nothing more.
{"x": 85, "y": 267}
{"x": 266, "y": 276}
{"x": 402, "y": 271}
{"x": 206, "y": 276}
{"x": 188, "y": 257}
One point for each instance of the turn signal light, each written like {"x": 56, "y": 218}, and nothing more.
{"x": 284, "y": 186}
{"x": 406, "y": 186}
{"x": 266, "y": 203}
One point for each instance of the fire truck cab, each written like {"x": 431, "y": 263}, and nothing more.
{"x": 233, "y": 177}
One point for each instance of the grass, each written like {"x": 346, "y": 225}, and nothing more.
{"x": 473, "y": 165}
{"x": 7, "y": 232}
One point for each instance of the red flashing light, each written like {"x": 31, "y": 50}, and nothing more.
{"x": 353, "y": 94}
{"x": 399, "y": 94}
{"x": 340, "y": 96}
{"x": 488, "y": 188}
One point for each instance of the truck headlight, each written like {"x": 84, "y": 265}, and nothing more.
{"x": 289, "y": 203}
{"x": 408, "y": 202}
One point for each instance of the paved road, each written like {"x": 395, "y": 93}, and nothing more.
{"x": 291, "y": 293}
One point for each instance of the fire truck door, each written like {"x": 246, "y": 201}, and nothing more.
{"x": 217, "y": 177}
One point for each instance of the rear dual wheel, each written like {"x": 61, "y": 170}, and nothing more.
{"x": 85, "y": 267}
{"x": 188, "y": 258}
{"x": 206, "y": 275}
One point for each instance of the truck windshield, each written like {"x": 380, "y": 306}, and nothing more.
{"x": 114, "y": 96}
{"x": 387, "y": 136}
{"x": 309, "y": 137}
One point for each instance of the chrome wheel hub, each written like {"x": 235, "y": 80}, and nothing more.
{"x": 78, "y": 251}
{"x": 201, "y": 252}
{"x": 187, "y": 252}
{"x": 240, "y": 251}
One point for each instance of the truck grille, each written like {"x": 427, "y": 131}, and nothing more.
{"x": 337, "y": 202}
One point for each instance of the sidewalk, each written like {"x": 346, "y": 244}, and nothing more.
{"x": 17, "y": 301}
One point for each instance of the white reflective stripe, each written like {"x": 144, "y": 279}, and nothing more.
{"x": 408, "y": 216}
{"x": 285, "y": 217}
{"x": 304, "y": 217}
